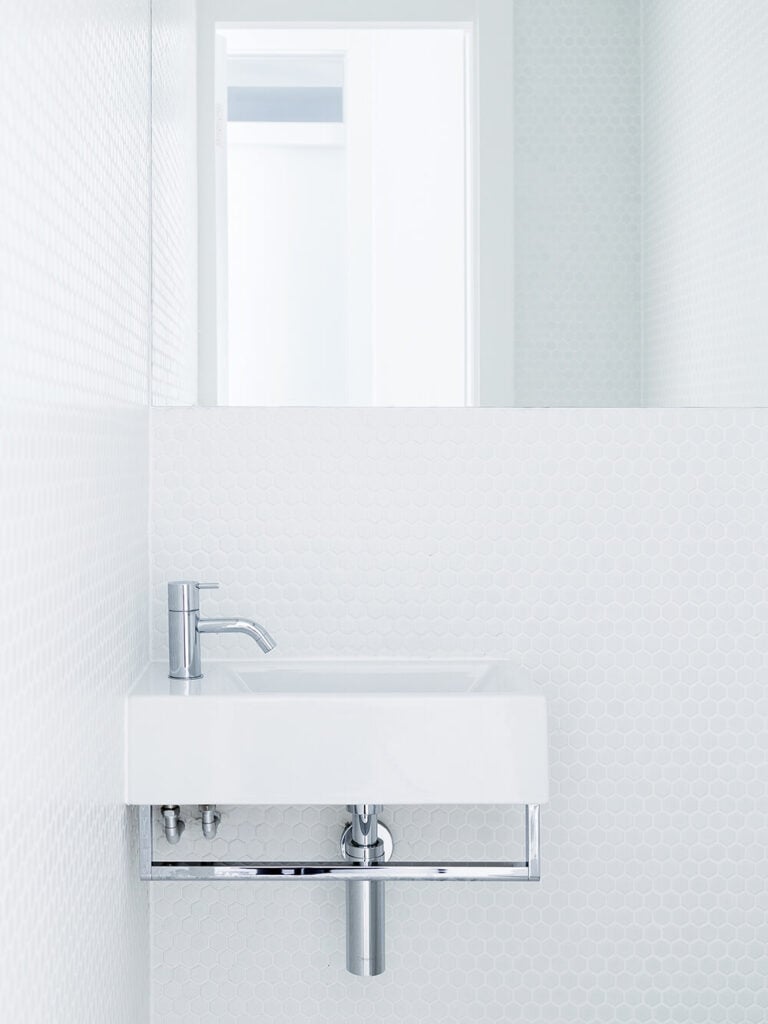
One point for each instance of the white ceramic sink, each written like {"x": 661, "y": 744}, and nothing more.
{"x": 337, "y": 732}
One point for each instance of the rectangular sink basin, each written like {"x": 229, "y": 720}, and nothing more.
{"x": 338, "y": 732}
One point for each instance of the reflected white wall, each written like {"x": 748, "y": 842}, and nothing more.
{"x": 287, "y": 269}
{"x": 174, "y": 203}
{"x": 577, "y": 239}
{"x": 419, "y": 218}
{"x": 347, "y": 243}
{"x": 705, "y": 203}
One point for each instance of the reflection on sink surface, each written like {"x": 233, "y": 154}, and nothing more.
{"x": 337, "y": 732}
{"x": 373, "y": 677}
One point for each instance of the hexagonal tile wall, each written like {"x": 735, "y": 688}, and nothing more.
{"x": 578, "y": 315}
{"x": 620, "y": 556}
{"x": 704, "y": 320}
{"x": 74, "y": 360}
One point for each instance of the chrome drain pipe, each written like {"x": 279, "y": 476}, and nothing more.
{"x": 363, "y": 844}
{"x": 365, "y": 928}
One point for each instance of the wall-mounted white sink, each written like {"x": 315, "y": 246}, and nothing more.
{"x": 337, "y": 732}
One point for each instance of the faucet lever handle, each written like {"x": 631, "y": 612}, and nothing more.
{"x": 183, "y": 595}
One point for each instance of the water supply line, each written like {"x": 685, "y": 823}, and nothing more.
{"x": 172, "y": 823}
{"x": 210, "y": 818}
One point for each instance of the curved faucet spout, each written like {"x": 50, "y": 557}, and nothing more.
{"x": 185, "y": 627}
{"x": 247, "y": 626}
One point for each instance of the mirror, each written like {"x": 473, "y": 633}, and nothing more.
{"x": 459, "y": 203}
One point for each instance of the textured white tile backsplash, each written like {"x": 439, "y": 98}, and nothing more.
{"x": 705, "y": 202}
{"x": 577, "y": 112}
{"x": 74, "y": 356}
{"x": 74, "y": 201}
{"x": 174, "y": 202}
{"x": 621, "y": 557}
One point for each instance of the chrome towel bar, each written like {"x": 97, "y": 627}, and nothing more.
{"x": 528, "y": 870}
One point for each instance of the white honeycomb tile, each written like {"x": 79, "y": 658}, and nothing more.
{"x": 705, "y": 218}
{"x": 620, "y": 557}
{"x": 174, "y": 202}
{"x": 74, "y": 201}
{"x": 313, "y": 833}
{"x": 577, "y": 116}
{"x": 74, "y": 355}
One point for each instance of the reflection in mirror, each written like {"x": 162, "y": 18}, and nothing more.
{"x": 344, "y": 211}
{"x": 523, "y": 203}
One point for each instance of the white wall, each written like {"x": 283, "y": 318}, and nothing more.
{"x": 346, "y": 252}
{"x": 595, "y": 324}
{"x": 419, "y": 219}
{"x": 286, "y": 235}
{"x": 74, "y": 356}
{"x": 174, "y": 202}
{"x": 705, "y": 207}
{"x": 577, "y": 106}
{"x": 620, "y": 557}
{"x": 493, "y": 310}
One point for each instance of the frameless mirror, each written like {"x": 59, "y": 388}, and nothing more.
{"x": 459, "y": 203}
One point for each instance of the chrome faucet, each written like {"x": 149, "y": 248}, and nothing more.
{"x": 185, "y": 627}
